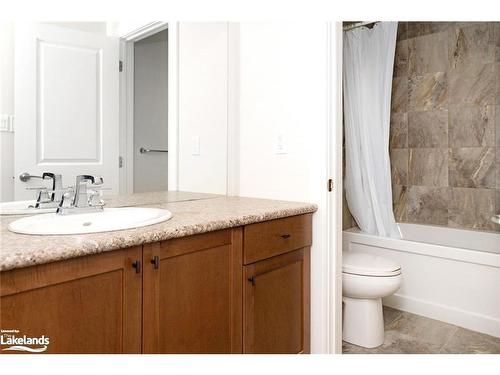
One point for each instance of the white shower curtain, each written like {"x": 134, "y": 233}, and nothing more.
{"x": 368, "y": 65}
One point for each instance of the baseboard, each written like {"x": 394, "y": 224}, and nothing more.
{"x": 462, "y": 318}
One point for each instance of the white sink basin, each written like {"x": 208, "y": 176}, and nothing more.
{"x": 23, "y": 208}
{"x": 110, "y": 219}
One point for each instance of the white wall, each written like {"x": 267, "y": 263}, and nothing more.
{"x": 202, "y": 107}
{"x": 283, "y": 85}
{"x": 6, "y": 108}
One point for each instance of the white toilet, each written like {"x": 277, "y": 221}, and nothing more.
{"x": 366, "y": 278}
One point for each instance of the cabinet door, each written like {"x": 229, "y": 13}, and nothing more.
{"x": 83, "y": 305}
{"x": 276, "y": 304}
{"x": 192, "y": 294}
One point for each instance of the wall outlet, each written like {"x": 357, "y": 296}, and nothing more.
{"x": 7, "y": 123}
{"x": 280, "y": 145}
{"x": 195, "y": 146}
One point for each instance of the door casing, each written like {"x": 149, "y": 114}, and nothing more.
{"x": 127, "y": 103}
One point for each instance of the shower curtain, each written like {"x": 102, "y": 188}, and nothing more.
{"x": 368, "y": 64}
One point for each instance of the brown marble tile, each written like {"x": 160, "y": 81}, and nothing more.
{"x": 399, "y": 130}
{"x": 472, "y": 44}
{"x": 428, "y": 54}
{"x": 497, "y": 41}
{"x": 423, "y": 28}
{"x": 497, "y": 74}
{"x": 428, "y": 167}
{"x": 402, "y": 31}
{"x": 411, "y": 333}
{"x": 401, "y": 59}
{"x": 475, "y": 84}
{"x": 497, "y": 126}
{"x": 497, "y": 202}
{"x": 399, "y": 202}
{"x": 465, "y": 341}
{"x": 497, "y": 168}
{"x": 399, "y": 98}
{"x": 471, "y": 126}
{"x": 472, "y": 167}
{"x": 471, "y": 208}
{"x": 428, "y": 129}
{"x": 414, "y": 334}
{"x": 429, "y": 91}
{"x": 399, "y": 166}
{"x": 390, "y": 315}
{"x": 427, "y": 205}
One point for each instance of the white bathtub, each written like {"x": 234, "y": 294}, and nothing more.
{"x": 452, "y": 275}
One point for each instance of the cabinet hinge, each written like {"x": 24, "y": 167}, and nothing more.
{"x": 120, "y": 66}
{"x": 330, "y": 184}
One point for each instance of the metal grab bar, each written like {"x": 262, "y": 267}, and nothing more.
{"x": 143, "y": 150}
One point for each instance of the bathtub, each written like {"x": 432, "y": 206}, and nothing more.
{"x": 452, "y": 275}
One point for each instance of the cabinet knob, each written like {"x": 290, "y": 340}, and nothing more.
{"x": 137, "y": 265}
{"x": 252, "y": 280}
{"x": 285, "y": 236}
{"x": 155, "y": 261}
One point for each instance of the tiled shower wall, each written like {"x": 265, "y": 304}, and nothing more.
{"x": 445, "y": 124}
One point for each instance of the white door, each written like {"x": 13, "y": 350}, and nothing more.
{"x": 66, "y": 105}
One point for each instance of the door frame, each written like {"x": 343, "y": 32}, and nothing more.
{"x": 127, "y": 41}
{"x": 334, "y": 199}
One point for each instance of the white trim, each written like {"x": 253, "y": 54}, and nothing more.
{"x": 173, "y": 106}
{"x": 334, "y": 203}
{"x": 127, "y": 117}
{"x": 462, "y": 318}
{"x": 127, "y": 102}
{"x": 145, "y": 31}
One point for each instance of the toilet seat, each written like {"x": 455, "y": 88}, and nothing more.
{"x": 363, "y": 264}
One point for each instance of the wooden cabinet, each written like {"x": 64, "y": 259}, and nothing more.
{"x": 276, "y": 295}
{"x": 276, "y": 304}
{"x": 83, "y": 305}
{"x": 193, "y": 298}
{"x": 239, "y": 290}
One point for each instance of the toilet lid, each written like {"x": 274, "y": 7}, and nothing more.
{"x": 369, "y": 265}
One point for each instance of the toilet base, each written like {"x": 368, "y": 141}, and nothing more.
{"x": 363, "y": 322}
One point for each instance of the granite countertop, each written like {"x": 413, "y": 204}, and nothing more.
{"x": 192, "y": 213}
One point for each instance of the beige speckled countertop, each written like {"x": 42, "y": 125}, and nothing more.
{"x": 192, "y": 213}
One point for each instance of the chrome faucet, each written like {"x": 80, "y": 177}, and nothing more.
{"x": 80, "y": 199}
{"x": 47, "y": 198}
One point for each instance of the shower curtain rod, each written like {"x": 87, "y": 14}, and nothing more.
{"x": 359, "y": 24}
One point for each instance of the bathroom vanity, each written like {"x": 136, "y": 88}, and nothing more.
{"x": 224, "y": 275}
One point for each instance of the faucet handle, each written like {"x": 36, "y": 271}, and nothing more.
{"x": 93, "y": 198}
{"x": 95, "y": 180}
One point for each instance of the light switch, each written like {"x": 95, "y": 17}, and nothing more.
{"x": 195, "y": 146}
{"x": 6, "y": 123}
{"x": 280, "y": 146}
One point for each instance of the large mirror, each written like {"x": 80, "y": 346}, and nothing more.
{"x": 143, "y": 106}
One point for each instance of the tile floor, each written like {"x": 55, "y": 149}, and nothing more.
{"x": 407, "y": 333}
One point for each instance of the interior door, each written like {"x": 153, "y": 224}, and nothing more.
{"x": 66, "y": 105}
{"x": 151, "y": 113}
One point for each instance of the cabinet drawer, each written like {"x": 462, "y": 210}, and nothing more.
{"x": 275, "y": 237}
